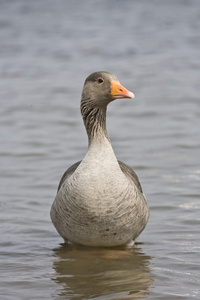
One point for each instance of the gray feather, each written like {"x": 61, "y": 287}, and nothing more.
{"x": 125, "y": 169}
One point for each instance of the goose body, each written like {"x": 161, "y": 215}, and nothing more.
{"x": 100, "y": 200}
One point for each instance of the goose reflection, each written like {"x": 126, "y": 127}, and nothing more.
{"x": 98, "y": 273}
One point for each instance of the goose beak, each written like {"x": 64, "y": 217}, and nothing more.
{"x": 119, "y": 92}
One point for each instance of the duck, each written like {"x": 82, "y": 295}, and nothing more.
{"x": 100, "y": 201}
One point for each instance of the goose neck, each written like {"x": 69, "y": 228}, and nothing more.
{"x": 95, "y": 124}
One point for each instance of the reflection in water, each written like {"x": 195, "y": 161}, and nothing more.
{"x": 100, "y": 273}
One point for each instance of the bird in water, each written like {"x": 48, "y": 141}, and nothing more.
{"x": 100, "y": 201}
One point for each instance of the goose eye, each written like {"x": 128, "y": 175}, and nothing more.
{"x": 100, "y": 80}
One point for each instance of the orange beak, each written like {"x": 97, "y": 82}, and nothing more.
{"x": 118, "y": 91}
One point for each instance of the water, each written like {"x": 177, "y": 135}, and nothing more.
{"x": 47, "y": 50}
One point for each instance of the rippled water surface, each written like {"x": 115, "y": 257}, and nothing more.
{"x": 47, "y": 49}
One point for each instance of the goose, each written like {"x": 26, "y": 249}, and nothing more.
{"x": 100, "y": 201}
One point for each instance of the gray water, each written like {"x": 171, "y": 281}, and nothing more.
{"x": 47, "y": 48}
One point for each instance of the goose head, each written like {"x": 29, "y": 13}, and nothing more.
{"x": 100, "y": 88}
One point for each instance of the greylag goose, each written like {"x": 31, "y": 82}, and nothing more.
{"x": 99, "y": 201}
